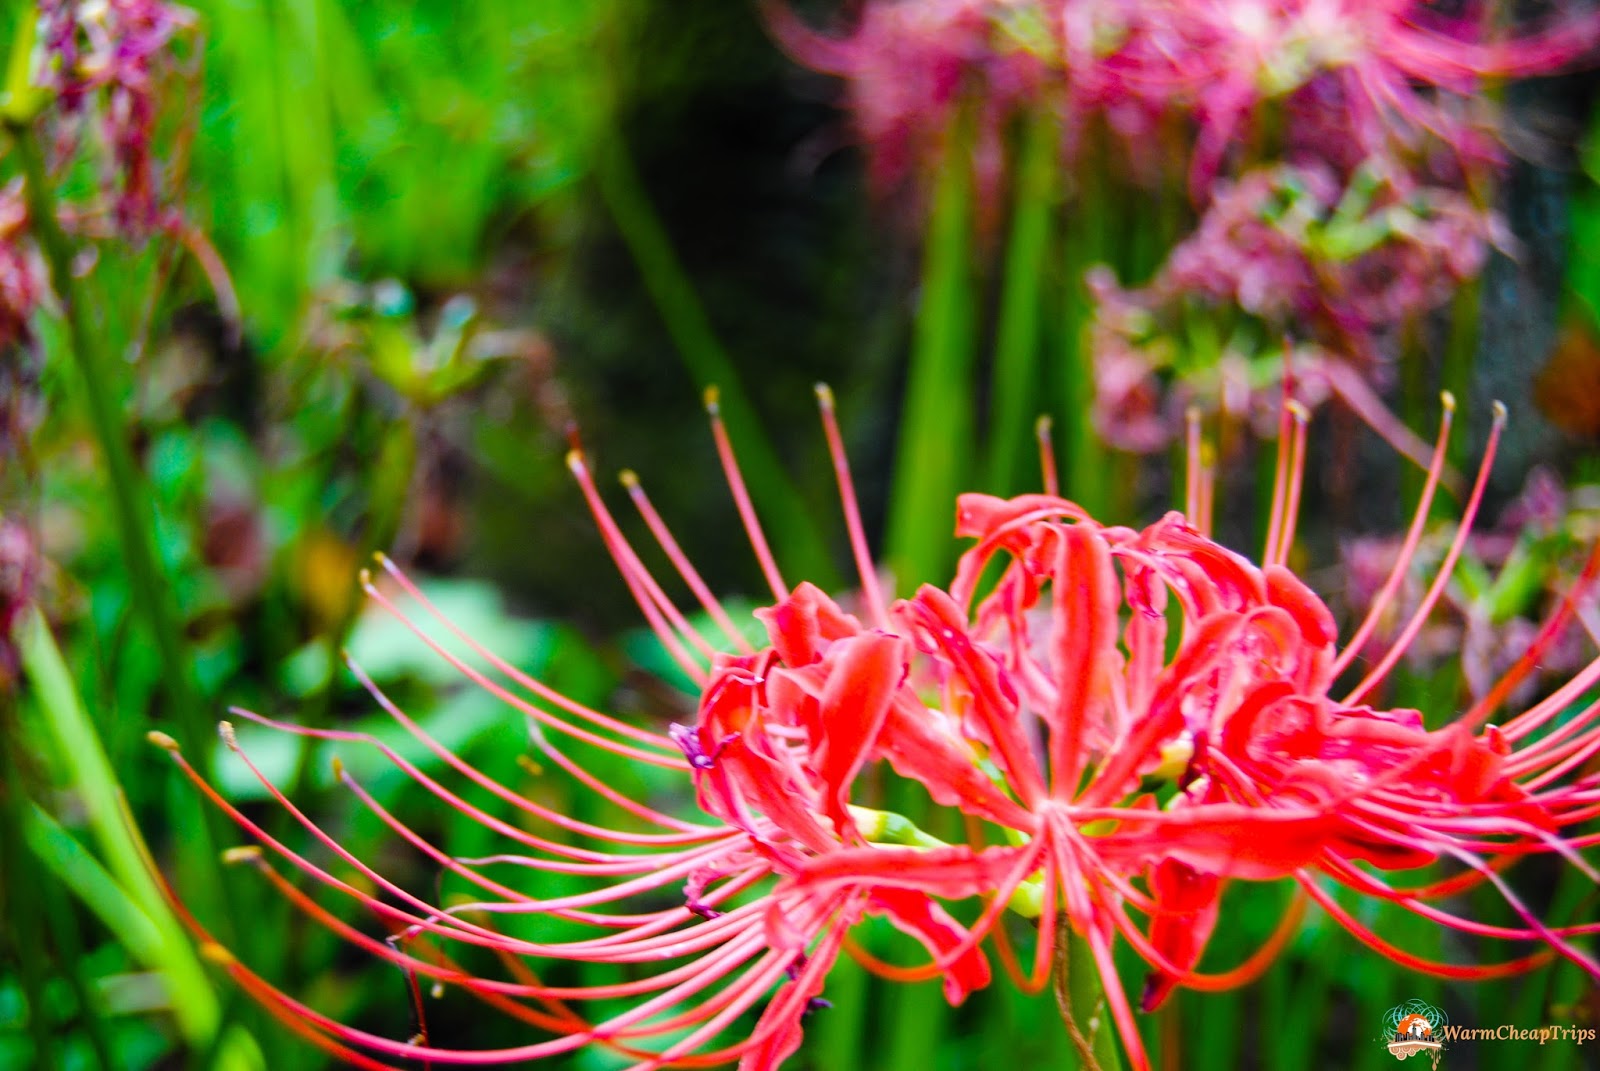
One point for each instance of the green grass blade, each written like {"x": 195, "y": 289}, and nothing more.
{"x": 789, "y": 524}
{"x": 123, "y": 892}
{"x": 1016, "y": 370}
{"x": 933, "y": 461}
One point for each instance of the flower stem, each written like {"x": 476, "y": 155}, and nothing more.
{"x": 800, "y": 543}
{"x": 135, "y": 522}
{"x": 931, "y": 462}
{"x": 1076, "y": 981}
{"x": 130, "y": 500}
{"x": 1087, "y": 240}
{"x": 1016, "y": 367}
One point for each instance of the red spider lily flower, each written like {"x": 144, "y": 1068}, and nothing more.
{"x": 1130, "y": 719}
{"x": 1270, "y": 774}
{"x": 773, "y": 759}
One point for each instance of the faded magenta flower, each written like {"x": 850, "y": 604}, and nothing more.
{"x": 104, "y": 62}
{"x": 1286, "y": 248}
{"x": 1356, "y": 78}
{"x": 21, "y": 275}
{"x": 1129, "y": 718}
{"x": 1506, "y": 581}
{"x": 103, "y": 79}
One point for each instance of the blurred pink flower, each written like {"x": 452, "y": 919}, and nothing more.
{"x": 1286, "y": 254}
{"x": 21, "y": 275}
{"x": 1358, "y": 78}
{"x": 105, "y": 62}
{"x": 1509, "y": 577}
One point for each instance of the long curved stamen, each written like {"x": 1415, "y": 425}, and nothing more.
{"x": 852, "y": 511}
{"x": 1573, "y": 735}
{"x": 680, "y": 561}
{"x": 389, "y": 950}
{"x": 1369, "y": 884}
{"x": 1446, "y": 568}
{"x": 741, "y": 497}
{"x": 449, "y": 799}
{"x": 1358, "y": 930}
{"x": 1297, "y": 470}
{"x": 686, "y": 832}
{"x": 658, "y": 610}
{"x": 1419, "y": 521}
{"x": 1280, "y": 476}
{"x": 1050, "y": 479}
{"x": 538, "y": 688}
{"x": 538, "y": 714}
{"x": 1529, "y": 660}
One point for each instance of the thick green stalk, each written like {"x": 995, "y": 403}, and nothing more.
{"x": 1086, "y": 472}
{"x": 932, "y": 462}
{"x": 24, "y": 911}
{"x": 123, "y": 893}
{"x": 130, "y": 500}
{"x": 789, "y": 524}
{"x": 1016, "y": 371}
{"x": 918, "y": 1024}
{"x": 151, "y": 588}
{"x": 1081, "y": 998}
{"x": 1460, "y": 352}
{"x": 841, "y": 1033}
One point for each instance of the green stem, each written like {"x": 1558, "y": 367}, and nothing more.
{"x": 1085, "y": 474}
{"x": 23, "y": 913}
{"x": 789, "y": 524}
{"x": 125, "y": 893}
{"x": 1081, "y": 998}
{"x": 1016, "y": 379}
{"x": 130, "y": 500}
{"x": 1460, "y": 351}
{"x": 151, "y": 588}
{"x": 936, "y": 424}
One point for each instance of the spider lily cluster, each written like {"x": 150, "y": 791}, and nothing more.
{"x": 1355, "y": 78}
{"x": 1338, "y": 156}
{"x": 1126, "y": 719}
{"x": 99, "y": 77}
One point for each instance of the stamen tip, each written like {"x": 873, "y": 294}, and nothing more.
{"x": 364, "y": 578}
{"x": 243, "y": 853}
{"x": 713, "y": 400}
{"x": 824, "y": 396}
{"x": 229, "y": 739}
{"x": 575, "y": 461}
{"x": 212, "y": 952}
{"x": 338, "y": 768}
{"x": 629, "y": 478}
{"x": 162, "y": 740}
{"x": 1297, "y": 410}
{"x": 1043, "y": 426}
{"x": 1448, "y": 400}
{"x": 1500, "y": 414}
{"x": 528, "y": 765}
